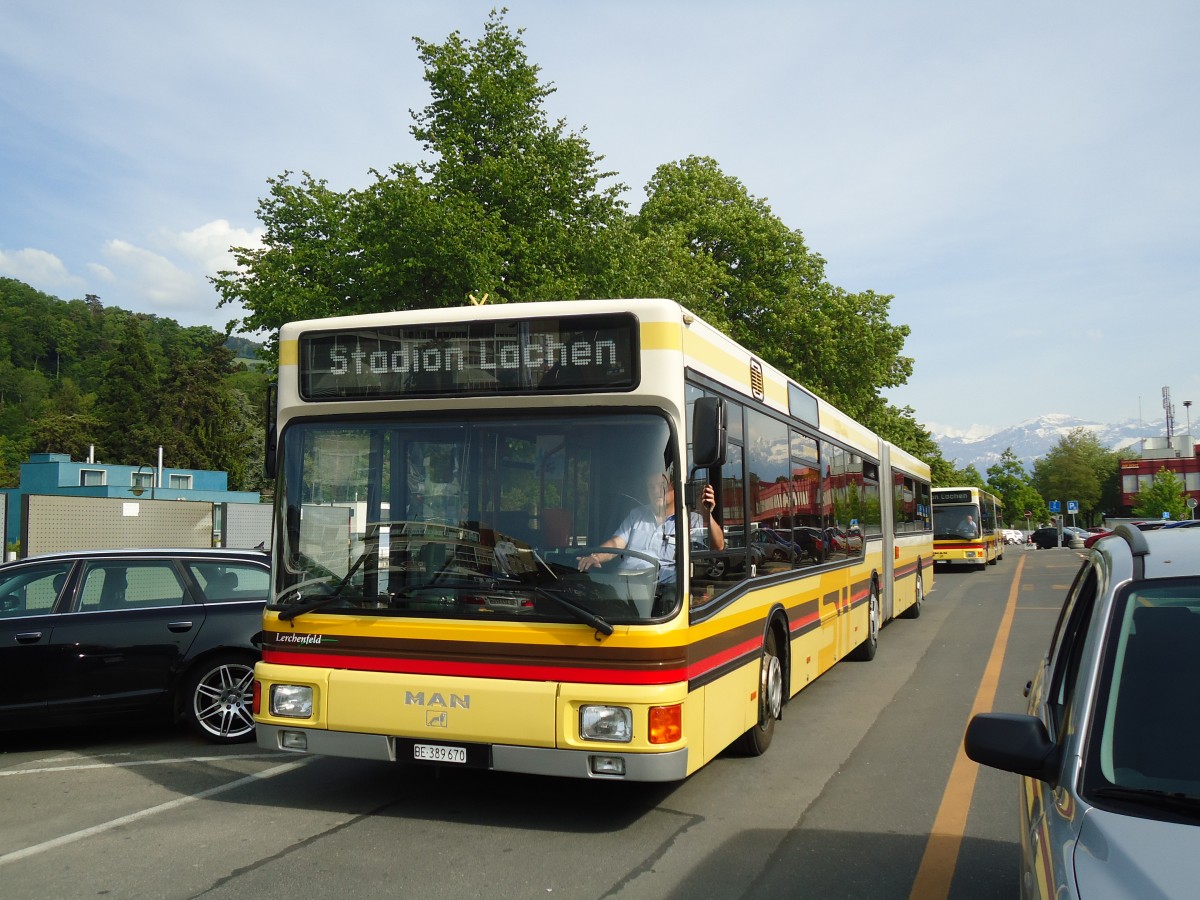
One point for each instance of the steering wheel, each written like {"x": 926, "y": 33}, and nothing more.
{"x": 589, "y": 549}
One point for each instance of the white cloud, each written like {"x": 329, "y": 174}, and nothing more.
{"x": 157, "y": 277}
{"x": 104, "y": 273}
{"x": 38, "y": 268}
{"x": 208, "y": 245}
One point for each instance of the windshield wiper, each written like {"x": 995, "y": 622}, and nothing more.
{"x": 301, "y": 607}
{"x": 1173, "y": 800}
{"x": 583, "y": 615}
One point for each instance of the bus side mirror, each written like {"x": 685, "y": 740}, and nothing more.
{"x": 708, "y": 433}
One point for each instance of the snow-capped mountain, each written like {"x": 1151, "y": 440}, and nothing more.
{"x": 1033, "y": 438}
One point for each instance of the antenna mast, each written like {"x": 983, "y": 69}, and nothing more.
{"x": 1169, "y": 409}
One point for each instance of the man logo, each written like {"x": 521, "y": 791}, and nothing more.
{"x": 455, "y": 701}
{"x": 437, "y": 718}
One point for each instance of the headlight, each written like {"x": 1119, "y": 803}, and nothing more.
{"x": 291, "y": 700}
{"x": 606, "y": 723}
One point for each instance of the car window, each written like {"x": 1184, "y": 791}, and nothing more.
{"x": 1149, "y": 732}
{"x": 32, "y": 590}
{"x": 231, "y": 581}
{"x": 1070, "y": 635}
{"x": 130, "y": 584}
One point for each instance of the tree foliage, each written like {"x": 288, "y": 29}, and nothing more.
{"x": 1077, "y": 468}
{"x": 1164, "y": 494}
{"x": 1008, "y": 481}
{"x": 508, "y": 204}
{"x": 81, "y": 378}
{"x": 514, "y": 205}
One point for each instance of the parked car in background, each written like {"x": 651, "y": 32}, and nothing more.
{"x": 846, "y": 542}
{"x": 718, "y": 564}
{"x": 1151, "y": 525}
{"x": 793, "y": 545}
{"x": 110, "y": 634}
{"x": 1045, "y": 538}
{"x": 1013, "y": 536}
{"x": 1109, "y": 748}
{"x": 1074, "y": 537}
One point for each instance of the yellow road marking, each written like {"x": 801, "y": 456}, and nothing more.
{"x": 950, "y": 823}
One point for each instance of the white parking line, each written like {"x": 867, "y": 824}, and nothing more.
{"x": 142, "y": 762}
{"x": 153, "y": 810}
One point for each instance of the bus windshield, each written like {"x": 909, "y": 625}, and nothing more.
{"x": 480, "y": 518}
{"x": 957, "y": 520}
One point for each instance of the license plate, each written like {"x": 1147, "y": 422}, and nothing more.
{"x": 437, "y": 753}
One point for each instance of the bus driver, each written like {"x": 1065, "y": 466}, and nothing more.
{"x": 650, "y": 529}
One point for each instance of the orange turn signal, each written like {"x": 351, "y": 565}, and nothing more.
{"x": 666, "y": 724}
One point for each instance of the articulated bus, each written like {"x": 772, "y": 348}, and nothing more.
{"x": 448, "y": 583}
{"x": 968, "y": 527}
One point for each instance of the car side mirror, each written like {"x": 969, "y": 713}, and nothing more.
{"x": 1013, "y": 743}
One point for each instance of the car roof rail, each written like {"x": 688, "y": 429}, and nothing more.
{"x": 1138, "y": 547}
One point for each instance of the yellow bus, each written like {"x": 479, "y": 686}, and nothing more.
{"x": 475, "y": 555}
{"x": 968, "y": 527}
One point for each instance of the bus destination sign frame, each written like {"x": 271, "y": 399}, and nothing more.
{"x": 559, "y": 355}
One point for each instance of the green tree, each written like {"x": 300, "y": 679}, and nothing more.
{"x": 73, "y": 434}
{"x": 1111, "y": 499}
{"x": 1165, "y": 494}
{"x": 970, "y": 477}
{"x": 536, "y": 184}
{"x": 129, "y": 397}
{"x": 707, "y": 242}
{"x": 509, "y": 204}
{"x": 1008, "y": 480}
{"x": 1074, "y": 469}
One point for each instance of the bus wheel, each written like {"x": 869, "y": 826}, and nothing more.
{"x": 914, "y": 611}
{"x": 770, "y": 701}
{"x": 865, "y": 652}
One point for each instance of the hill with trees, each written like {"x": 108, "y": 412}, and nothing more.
{"x": 76, "y": 375}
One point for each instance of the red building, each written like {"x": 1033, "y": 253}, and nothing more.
{"x": 1176, "y": 454}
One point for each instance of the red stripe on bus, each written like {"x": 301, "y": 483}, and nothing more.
{"x": 493, "y": 670}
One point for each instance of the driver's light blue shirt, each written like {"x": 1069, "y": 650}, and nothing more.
{"x": 643, "y": 533}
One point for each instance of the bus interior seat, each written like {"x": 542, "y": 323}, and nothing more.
{"x": 556, "y": 526}
{"x": 515, "y": 524}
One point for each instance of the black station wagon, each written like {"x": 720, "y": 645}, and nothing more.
{"x": 114, "y": 634}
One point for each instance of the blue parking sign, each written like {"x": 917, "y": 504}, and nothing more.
{"x": 1072, "y": 506}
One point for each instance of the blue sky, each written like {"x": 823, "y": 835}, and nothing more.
{"x": 1021, "y": 177}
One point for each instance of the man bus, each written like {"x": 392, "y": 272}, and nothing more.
{"x": 447, "y": 590}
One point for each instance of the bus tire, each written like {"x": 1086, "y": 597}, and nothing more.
{"x": 757, "y": 739}
{"x": 914, "y": 611}
{"x": 865, "y": 652}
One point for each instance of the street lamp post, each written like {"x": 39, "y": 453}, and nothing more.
{"x": 1187, "y": 408}
{"x": 138, "y": 491}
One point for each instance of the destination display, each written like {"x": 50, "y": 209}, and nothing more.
{"x": 941, "y": 496}
{"x": 570, "y": 354}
